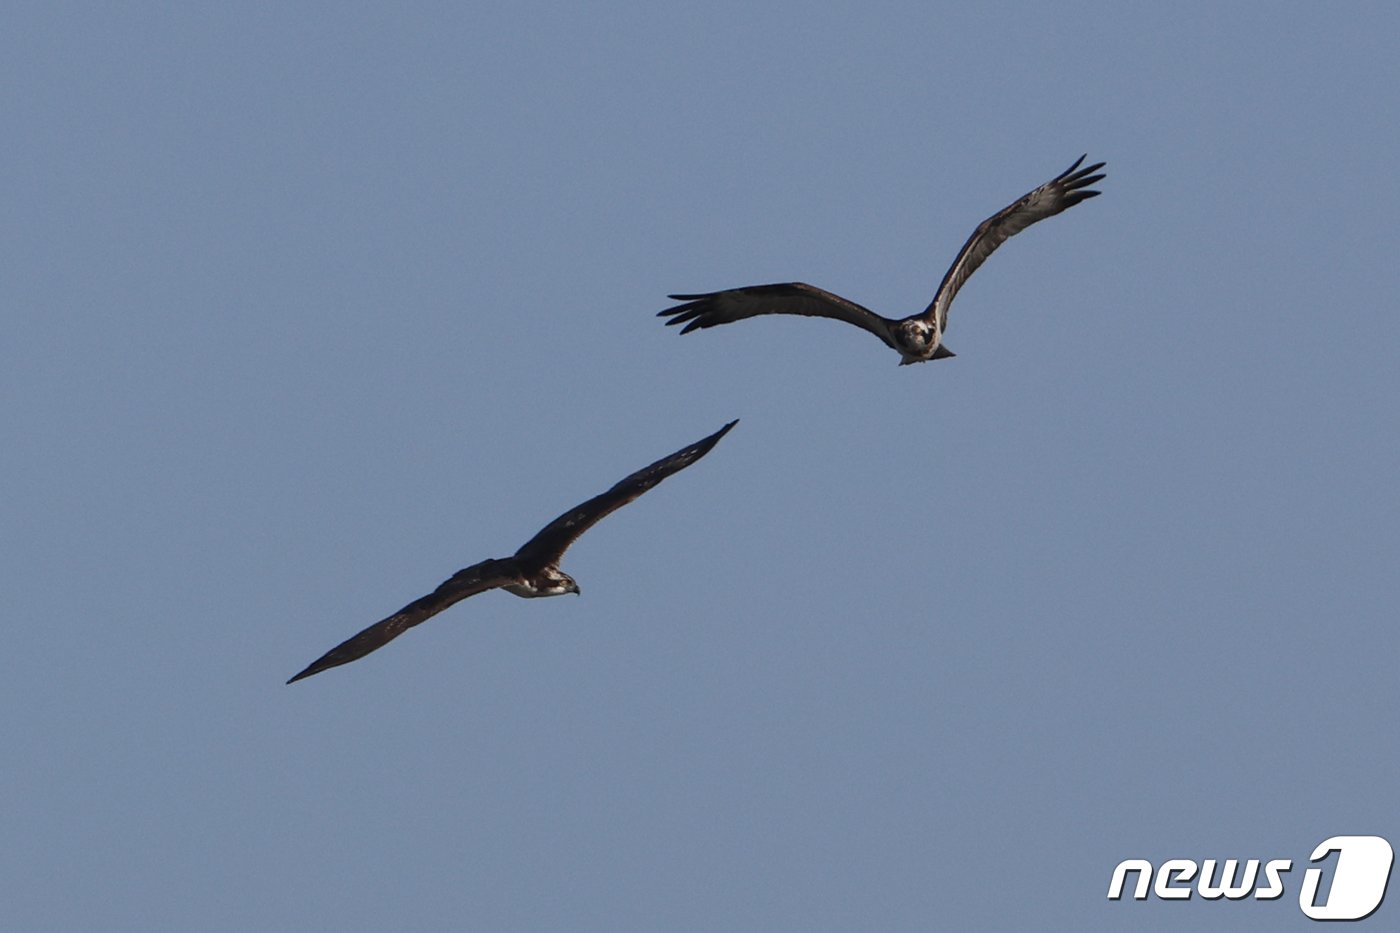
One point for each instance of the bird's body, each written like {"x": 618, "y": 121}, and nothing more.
{"x": 919, "y": 337}
{"x": 531, "y": 572}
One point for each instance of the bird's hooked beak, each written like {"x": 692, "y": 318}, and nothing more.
{"x": 575, "y": 590}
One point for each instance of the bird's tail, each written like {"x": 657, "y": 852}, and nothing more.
{"x": 941, "y": 353}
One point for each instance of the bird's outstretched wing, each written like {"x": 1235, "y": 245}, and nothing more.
{"x": 549, "y": 545}
{"x": 1058, "y": 194}
{"x": 735, "y": 304}
{"x": 477, "y": 578}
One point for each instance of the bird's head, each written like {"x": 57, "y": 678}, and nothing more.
{"x": 917, "y": 334}
{"x": 557, "y": 583}
{"x": 919, "y": 341}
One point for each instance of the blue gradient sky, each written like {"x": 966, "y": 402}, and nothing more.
{"x": 308, "y": 306}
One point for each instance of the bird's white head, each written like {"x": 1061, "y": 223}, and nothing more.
{"x": 557, "y": 583}
{"x": 918, "y": 340}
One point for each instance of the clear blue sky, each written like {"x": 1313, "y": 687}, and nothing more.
{"x": 307, "y": 306}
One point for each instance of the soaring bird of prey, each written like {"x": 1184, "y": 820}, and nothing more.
{"x": 531, "y": 571}
{"x": 919, "y": 337}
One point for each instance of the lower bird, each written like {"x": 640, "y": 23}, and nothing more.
{"x": 919, "y": 337}
{"x": 531, "y": 571}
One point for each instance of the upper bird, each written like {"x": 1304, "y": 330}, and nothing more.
{"x": 531, "y": 571}
{"x": 918, "y": 338}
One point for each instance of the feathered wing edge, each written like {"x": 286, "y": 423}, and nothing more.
{"x": 708, "y": 309}
{"x": 550, "y": 543}
{"x": 1058, "y": 194}
{"x": 469, "y": 581}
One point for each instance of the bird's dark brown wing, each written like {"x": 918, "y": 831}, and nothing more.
{"x": 1058, "y": 194}
{"x": 735, "y": 304}
{"x": 554, "y": 539}
{"x": 477, "y": 578}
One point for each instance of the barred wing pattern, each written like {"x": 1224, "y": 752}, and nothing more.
{"x": 710, "y": 308}
{"x": 1058, "y": 194}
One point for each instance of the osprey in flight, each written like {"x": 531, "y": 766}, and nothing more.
{"x": 919, "y": 337}
{"x": 531, "y": 571}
